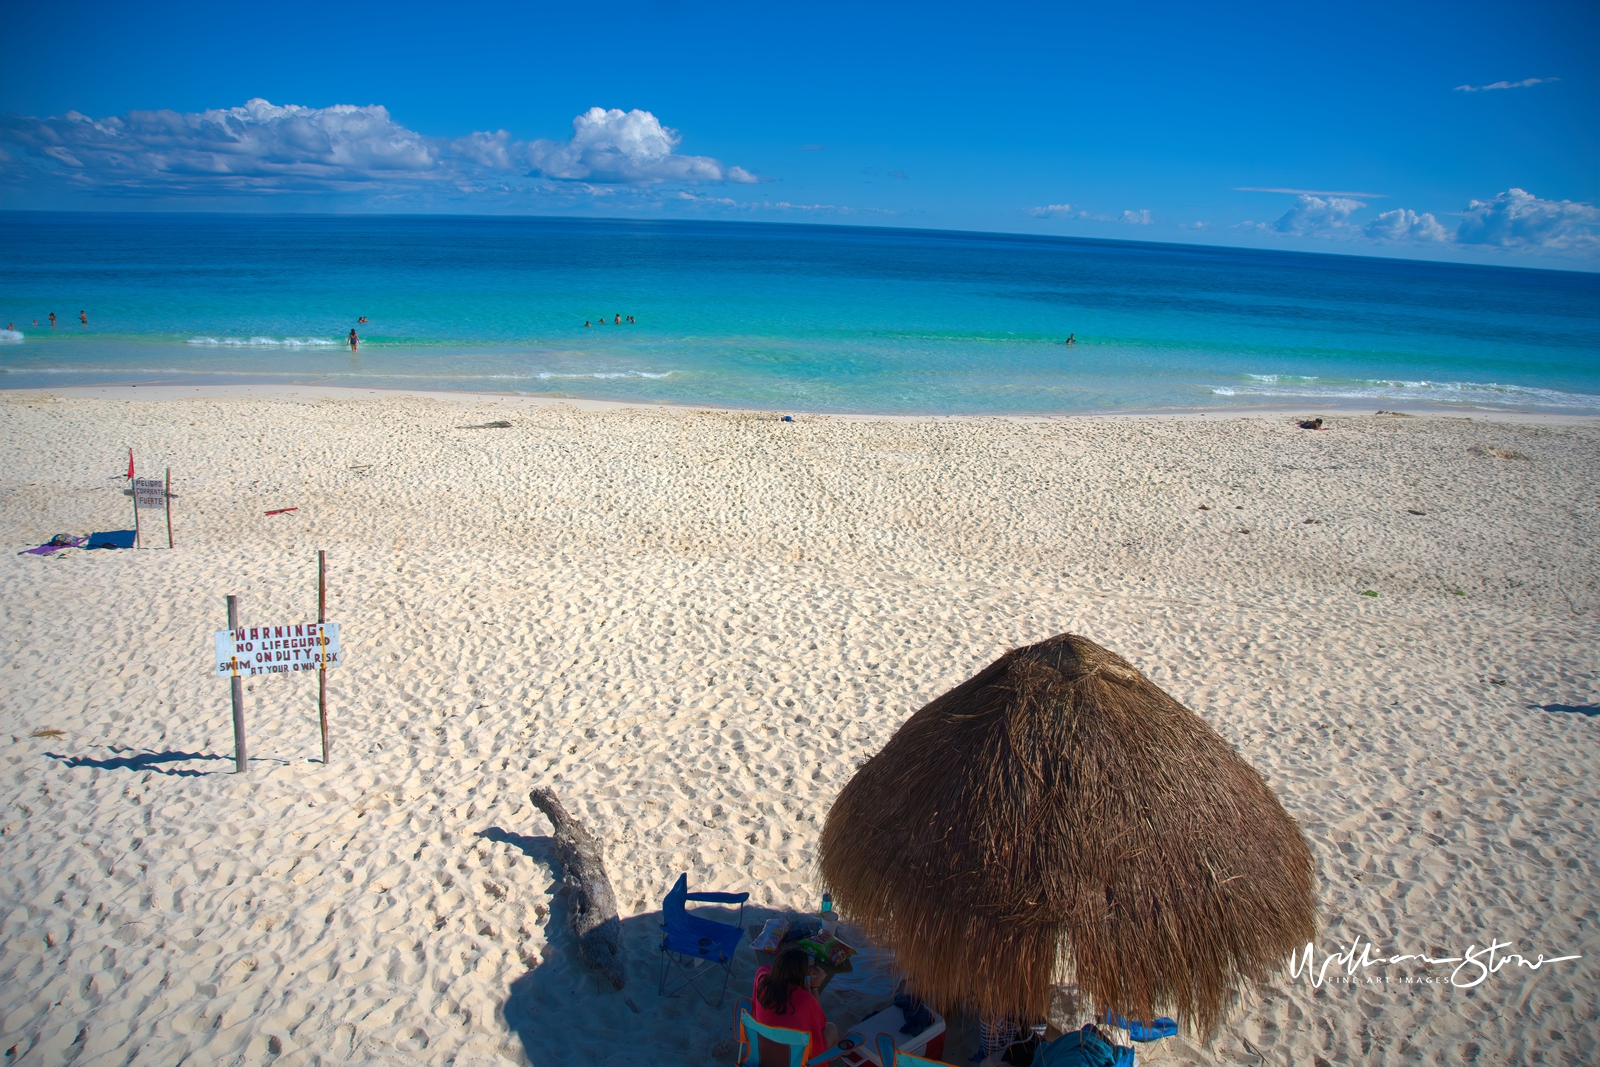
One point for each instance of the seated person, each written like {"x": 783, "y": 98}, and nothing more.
{"x": 783, "y": 997}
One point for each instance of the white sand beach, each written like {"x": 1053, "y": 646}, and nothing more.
{"x": 694, "y": 626}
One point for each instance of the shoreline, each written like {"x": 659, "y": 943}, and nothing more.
{"x": 307, "y": 392}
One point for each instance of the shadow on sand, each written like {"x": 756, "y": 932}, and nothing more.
{"x": 563, "y": 1013}
{"x": 145, "y": 761}
{"x": 1590, "y": 710}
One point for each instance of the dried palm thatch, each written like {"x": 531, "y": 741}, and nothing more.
{"x": 1058, "y": 818}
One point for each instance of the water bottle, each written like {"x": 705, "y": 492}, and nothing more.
{"x": 830, "y": 918}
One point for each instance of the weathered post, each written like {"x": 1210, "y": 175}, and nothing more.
{"x": 322, "y": 666}
{"x": 238, "y": 694}
{"x": 167, "y": 499}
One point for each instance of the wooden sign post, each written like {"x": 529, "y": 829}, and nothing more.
{"x": 322, "y": 670}
{"x": 149, "y": 494}
{"x": 255, "y": 650}
{"x": 238, "y": 692}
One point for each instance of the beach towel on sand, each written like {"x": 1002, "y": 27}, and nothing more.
{"x": 111, "y": 539}
{"x": 55, "y": 544}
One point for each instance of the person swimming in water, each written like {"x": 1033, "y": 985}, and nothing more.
{"x": 362, "y": 319}
{"x": 52, "y": 320}
{"x": 1072, "y": 338}
{"x": 587, "y": 324}
{"x": 618, "y": 321}
{"x": 630, "y": 320}
{"x": 83, "y": 317}
{"x": 354, "y": 340}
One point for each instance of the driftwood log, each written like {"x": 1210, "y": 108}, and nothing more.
{"x": 591, "y": 905}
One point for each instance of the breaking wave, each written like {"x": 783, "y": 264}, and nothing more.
{"x": 262, "y": 342}
{"x": 607, "y": 374}
{"x": 1466, "y": 393}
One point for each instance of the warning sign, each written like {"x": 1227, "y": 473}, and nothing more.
{"x": 252, "y": 650}
{"x": 149, "y": 493}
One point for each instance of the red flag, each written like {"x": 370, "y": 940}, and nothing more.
{"x": 130, "y": 464}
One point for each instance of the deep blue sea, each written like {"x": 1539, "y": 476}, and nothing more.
{"x": 794, "y": 318}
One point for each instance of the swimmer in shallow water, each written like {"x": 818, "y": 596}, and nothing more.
{"x": 52, "y": 320}
{"x": 354, "y": 340}
{"x": 362, "y": 319}
{"x": 618, "y": 321}
{"x": 83, "y": 317}
{"x": 587, "y": 325}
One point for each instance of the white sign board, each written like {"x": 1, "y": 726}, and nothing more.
{"x": 149, "y": 493}
{"x": 252, "y": 650}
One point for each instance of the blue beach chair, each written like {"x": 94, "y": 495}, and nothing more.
{"x": 890, "y": 1056}
{"x": 694, "y": 945}
{"x": 761, "y": 1045}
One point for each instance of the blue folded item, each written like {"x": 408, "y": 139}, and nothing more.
{"x": 1083, "y": 1048}
{"x": 111, "y": 539}
{"x": 917, "y": 1014}
{"x": 1162, "y": 1027}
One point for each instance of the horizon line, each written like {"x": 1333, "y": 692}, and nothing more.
{"x": 1576, "y": 269}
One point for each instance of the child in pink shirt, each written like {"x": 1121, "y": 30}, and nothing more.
{"x": 783, "y": 997}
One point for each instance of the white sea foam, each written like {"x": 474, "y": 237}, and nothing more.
{"x": 262, "y": 342}
{"x": 613, "y": 374}
{"x": 10, "y": 335}
{"x": 1282, "y": 377}
{"x": 1487, "y": 393}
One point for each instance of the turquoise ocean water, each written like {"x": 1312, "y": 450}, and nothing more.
{"x": 801, "y": 318}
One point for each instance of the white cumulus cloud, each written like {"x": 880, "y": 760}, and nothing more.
{"x": 1515, "y": 219}
{"x": 1523, "y": 84}
{"x": 1403, "y": 224}
{"x": 1051, "y": 211}
{"x": 1137, "y": 218}
{"x": 262, "y": 148}
{"x": 1518, "y": 219}
{"x": 254, "y": 148}
{"x": 625, "y": 147}
{"x": 1315, "y": 216}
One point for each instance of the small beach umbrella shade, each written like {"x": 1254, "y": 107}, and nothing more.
{"x": 1059, "y": 818}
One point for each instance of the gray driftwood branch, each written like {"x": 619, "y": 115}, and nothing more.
{"x": 591, "y": 905}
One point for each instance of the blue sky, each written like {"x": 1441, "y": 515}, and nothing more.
{"x": 1450, "y": 131}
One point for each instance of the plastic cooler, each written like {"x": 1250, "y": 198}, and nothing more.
{"x": 929, "y": 1043}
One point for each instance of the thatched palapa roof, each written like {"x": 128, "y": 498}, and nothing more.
{"x": 1058, "y": 818}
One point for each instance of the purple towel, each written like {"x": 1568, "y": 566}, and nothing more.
{"x": 51, "y": 546}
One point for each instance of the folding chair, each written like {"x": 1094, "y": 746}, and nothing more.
{"x": 687, "y": 938}
{"x": 761, "y": 1045}
{"x": 890, "y": 1056}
